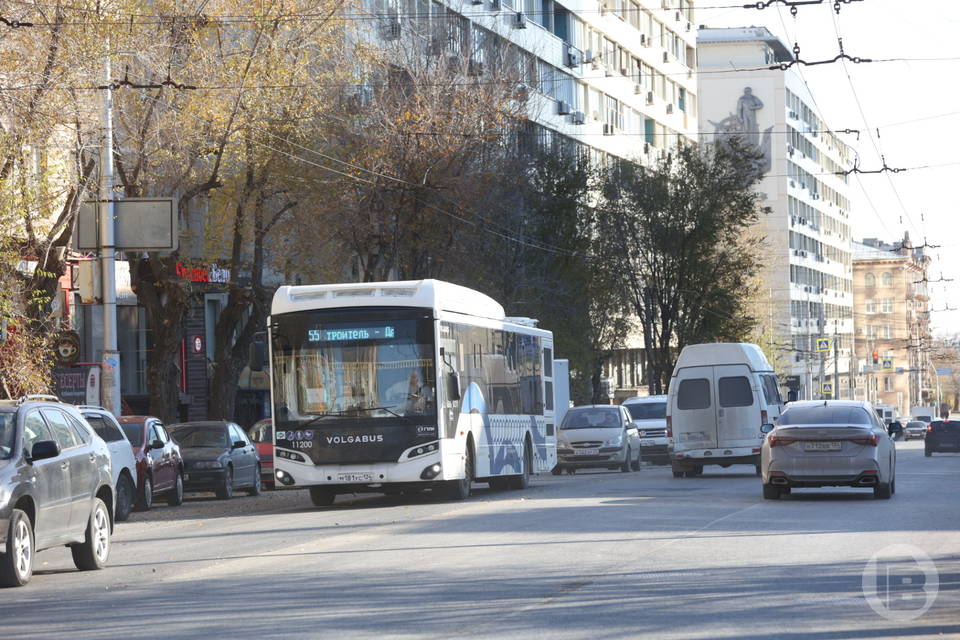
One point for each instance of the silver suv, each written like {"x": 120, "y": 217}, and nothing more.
{"x": 55, "y": 487}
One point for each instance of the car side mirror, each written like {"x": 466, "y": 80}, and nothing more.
{"x": 239, "y": 444}
{"x": 453, "y": 386}
{"x": 156, "y": 444}
{"x": 766, "y": 428}
{"x": 44, "y": 449}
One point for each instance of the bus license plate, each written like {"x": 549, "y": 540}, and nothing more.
{"x": 587, "y": 452}
{"x": 355, "y": 477}
{"x": 822, "y": 446}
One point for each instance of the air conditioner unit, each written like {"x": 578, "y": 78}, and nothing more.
{"x": 643, "y": 39}
{"x": 666, "y": 56}
{"x": 624, "y": 71}
{"x": 803, "y": 254}
{"x": 520, "y": 20}
{"x": 678, "y": 16}
{"x": 790, "y": 149}
{"x": 579, "y": 117}
{"x": 649, "y": 97}
{"x": 637, "y": 89}
{"x": 596, "y": 63}
{"x": 670, "y": 108}
{"x": 563, "y": 108}
{"x": 793, "y": 115}
{"x": 689, "y": 26}
{"x": 588, "y": 56}
{"x": 814, "y": 197}
{"x": 608, "y": 129}
{"x": 573, "y": 57}
{"x": 792, "y": 183}
{"x": 495, "y": 5}
{"x": 595, "y": 115}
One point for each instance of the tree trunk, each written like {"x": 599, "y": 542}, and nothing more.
{"x": 165, "y": 298}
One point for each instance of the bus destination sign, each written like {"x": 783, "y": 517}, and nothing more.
{"x": 351, "y": 333}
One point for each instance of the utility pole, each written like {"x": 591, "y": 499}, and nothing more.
{"x": 821, "y": 325}
{"x": 110, "y": 357}
{"x": 836, "y": 365}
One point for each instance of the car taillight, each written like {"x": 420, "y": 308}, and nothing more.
{"x": 669, "y": 427}
{"x": 871, "y": 440}
{"x": 780, "y": 441}
{"x": 763, "y": 416}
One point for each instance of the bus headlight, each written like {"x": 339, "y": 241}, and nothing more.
{"x": 431, "y": 472}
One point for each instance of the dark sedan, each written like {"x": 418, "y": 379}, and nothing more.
{"x": 218, "y": 456}
{"x": 942, "y": 436}
{"x": 159, "y": 463}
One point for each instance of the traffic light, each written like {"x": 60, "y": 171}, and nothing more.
{"x": 876, "y": 356}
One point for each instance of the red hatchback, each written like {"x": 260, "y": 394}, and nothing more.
{"x": 159, "y": 464}
{"x": 262, "y": 435}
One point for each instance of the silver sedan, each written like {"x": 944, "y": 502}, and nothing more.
{"x": 828, "y": 443}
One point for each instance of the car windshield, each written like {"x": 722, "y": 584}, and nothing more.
{"x": 200, "y": 436}
{"x": 134, "y": 431}
{"x": 590, "y": 419}
{"x": 825, "y": 414}
{"x": 8, "y": 431}
{"x": 916, "y": 423}
{"x": 647, "y": 410}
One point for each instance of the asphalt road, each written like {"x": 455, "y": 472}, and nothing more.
{"x": 596, "y": 555}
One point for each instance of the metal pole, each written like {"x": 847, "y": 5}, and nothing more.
{"x": 110, "y": 358}
{"x": 836, "y": 365}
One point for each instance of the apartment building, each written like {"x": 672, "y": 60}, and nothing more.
{"x": 610, "y": 77}
{"x": 807, "y": 282}
{"x": 892, "y": 322}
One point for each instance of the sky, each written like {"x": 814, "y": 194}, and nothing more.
{"x": 908, "y": 112}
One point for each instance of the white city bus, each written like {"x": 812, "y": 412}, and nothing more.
{"x": 400, "y": 386}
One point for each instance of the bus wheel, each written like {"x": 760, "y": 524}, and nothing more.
{"x": 460, "y": 489}
{"x": 522, "y": 481}
{"x": 322, "y": 496}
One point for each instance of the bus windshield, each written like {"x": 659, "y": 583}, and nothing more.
{"x": 365, "y": 364}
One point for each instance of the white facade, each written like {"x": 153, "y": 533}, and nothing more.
{"x": 616, "y": 76}
{"x": 809, "y": 272}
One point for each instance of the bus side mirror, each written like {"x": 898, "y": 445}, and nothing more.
{"x": 453, "y": 386}
{"x": 258, "y": 355}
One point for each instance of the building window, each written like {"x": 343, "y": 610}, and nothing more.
{"x": 871, "y": 306}
{"x": 888, "y": 331}
{"x": 888, "y": 383}
{"x": 886, "y": 305}
{"x": 870, "y": 280}
{"x": 888, "y": 279}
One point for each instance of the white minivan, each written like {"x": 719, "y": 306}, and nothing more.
{"x": 720, "y": 396}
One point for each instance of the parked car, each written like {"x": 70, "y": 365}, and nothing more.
{"x": 55, "y": 487}
{"x": 649, "y": 415}
{"x": 942, "y": 436}
{"x": 720, "y": 396}
{"x": 915, "y": 429}
{"x": 122, "y": 461}
{"x": 262, "y": 435}
{"x": 599, "y": 435}
{"x": 218, "y": 456}
{"x": 159, "y": 461}
{"x": 828, "y": 443}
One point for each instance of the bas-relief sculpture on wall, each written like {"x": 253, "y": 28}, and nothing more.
{"x": 742, "y": 124}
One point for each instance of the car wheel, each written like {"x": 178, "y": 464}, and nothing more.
{"x": 125, "y": 496}
{"x": 460, "y": 489}
{"x": 93, "y": 552}
{"x": 175, "y": 496}
{"x": 635, "y": 465}
{"x": 145, "y": 499}
{"x": 16, "y": 563}
{"x": 882, "y": 491}
{"x": 322, "y": 496}
{"x": 678, "y": 474}
{"x": 522, "y": 481}
{"x": 771, "y": 492}
{"x": 225, "y": 492}
{"x": 571, "y": 471}
{"x": 257, "y": 487}
{"x": 625, "y": 467}
{"x": 927, "y": 453}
